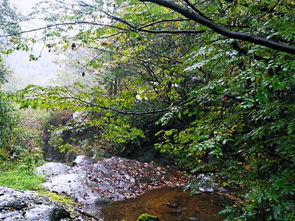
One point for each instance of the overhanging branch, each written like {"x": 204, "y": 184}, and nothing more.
{"x": 61, "y": 24}
{"x": 188, "y": 13}
{"x": 172, "y": 31}
{"x": 122, "y": 112}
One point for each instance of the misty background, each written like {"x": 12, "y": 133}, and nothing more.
{"x": 23, "y": 71}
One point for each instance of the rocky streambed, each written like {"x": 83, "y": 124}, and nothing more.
{"x": 29, "y": 206}
{"x": 95, "y": 183}
{"x": 109, "y": 189}
{"x": 168, "y": 204}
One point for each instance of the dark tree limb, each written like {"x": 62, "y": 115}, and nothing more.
{"x": 195, "y": 9}
{"x": 243, "y": 51}
{"x": 188, "y": 13}
{"x": 133, "y": 29}
{"x": 172, "y": 31}
{"x": 136, "y": 29}
{"x": 164, "y": 21}
{"x": 122, "y": 112}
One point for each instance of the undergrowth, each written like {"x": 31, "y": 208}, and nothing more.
{"x": 20, "y": 177}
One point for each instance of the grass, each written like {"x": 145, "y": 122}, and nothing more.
{"x": 23, "y": 152}
{"x": 20, "y": 177}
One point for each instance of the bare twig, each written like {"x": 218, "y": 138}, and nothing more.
{"x": 60, "y": 24}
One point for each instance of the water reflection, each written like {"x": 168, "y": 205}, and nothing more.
{"x": 169, "y": 204}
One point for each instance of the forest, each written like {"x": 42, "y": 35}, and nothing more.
{"x": 207, "y": 86}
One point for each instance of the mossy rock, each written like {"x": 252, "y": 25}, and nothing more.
{"x": 55, "y": 197}
{"x": 147, "y": 217}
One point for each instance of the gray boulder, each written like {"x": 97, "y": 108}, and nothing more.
{"x": 52, "y": 169}
{"x": 95, "y": 183}
{"x": 17, "y": 205}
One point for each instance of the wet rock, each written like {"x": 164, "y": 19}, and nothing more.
{"x": 172, "y": 205}
{"x": 193, "y": 219}
{"x": 52, "y": 169}
{"x": 94, "y": 183}
{"x": 82, "y": 160}
{"x": 45, "y": 212}
{"x": 207, "y": 184}
{"x": 102, "y": 202}
{"x": 19, "y": 205}
{"x": 174, "y": 213}
{"x": 74, "y": 185}
{"x": 58, "y": 214}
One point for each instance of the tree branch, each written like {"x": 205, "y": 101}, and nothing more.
{"x": 130, "y": 112}
{"x": 117, "y": 110}
{"x": 136, "y": 29}
{"x": 172, "y": 31}
{"x": 61, "y": 24}
{"x": 188, "y": 13}
{"x": 243, "y": 51}
{"x": 195, "y": 9}
{"x": 163, "y": 21}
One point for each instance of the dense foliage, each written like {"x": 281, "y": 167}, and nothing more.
{"x": 19, "y": 152}
{"x": 221, "y": 104}
{"x": 7, "y": 119}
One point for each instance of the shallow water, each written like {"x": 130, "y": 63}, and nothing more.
{"x": 169, "y": 204}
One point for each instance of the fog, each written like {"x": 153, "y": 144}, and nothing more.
{"x": 23, "y": 71}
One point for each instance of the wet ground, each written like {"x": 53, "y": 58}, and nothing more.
{"x": 119, "y": 189}
{"x": 94, "y": 183}
{"x": 168, "y": 204}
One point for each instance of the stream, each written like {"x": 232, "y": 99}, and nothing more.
{"x": 168, "y": 204}
{"x": 121, "y": 189}
{"x": 117, "y": 189}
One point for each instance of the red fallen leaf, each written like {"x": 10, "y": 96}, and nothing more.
{"x": 149, "y": 187}
{"x": 97, "y": 189}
